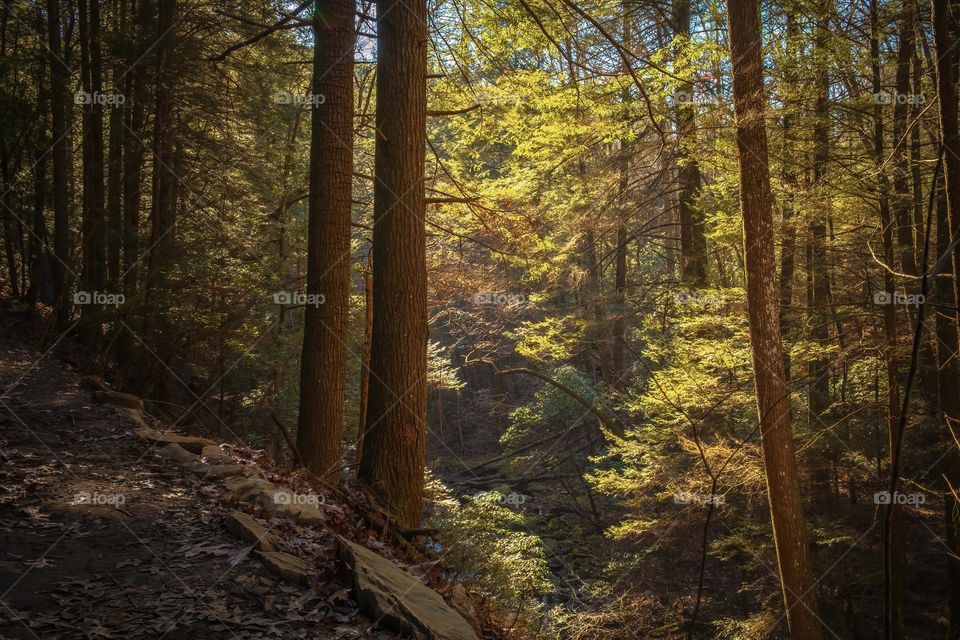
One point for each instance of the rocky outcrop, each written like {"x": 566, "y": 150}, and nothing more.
{"x": 175, "y": 452}
{"x": 286, "y": 566}
{"x": 193, "y": 444}
{"x": 300, "y": 507}
{"x": 241, "y": 488}
{"x": 118, "y": 399}
{"x": 400, "y": 601}
{"x": 244, "y": 526}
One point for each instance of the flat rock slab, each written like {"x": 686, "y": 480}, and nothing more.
{"x": 193, "y": 444}
{"x": 213, "y": 454}
{"x": 400, "y": 601}
{"x": 244, "y": 526}
{"x": 118, "y": 399}
{"x": 287, "y": 567}
{"x": 291, "y": 505}
{"x": 239, "y": 488}
{"x": 218, "y": 470}
{"x": 175, "y": 452}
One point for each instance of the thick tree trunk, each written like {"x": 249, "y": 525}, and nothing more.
{"x": 394, "y": 447}
{"x": 323, "y": 361}
{"x": 773, "y": 400}
{"x": 949, "y": 403}
{"x": 948, "y": 323}
{"x": 949, "y": 132}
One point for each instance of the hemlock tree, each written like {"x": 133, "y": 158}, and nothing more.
{"x": 323, "y": 361}
{"x": 394, "y": 446}
{"x": 773, "y": 401}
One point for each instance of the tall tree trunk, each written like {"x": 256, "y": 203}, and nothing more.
{"x": 133, "y": 152}
{"x": 949, "y": 133}
{"x": 902, "y": 193}
{"x": 949, "y": 227}
{"x": 365, "y": 359}
{"x": 894, "y": 550}
{"x": 818, "y": 368}
{"x": 773, "y": 399}
{"x": 163, "y": 207}
{"x": 10, "y": 223}
{"x": 8, "y": 168}
{"x": 323, "y": 361}
{"x": 693, "y": 242}
{"x": 618, "y": 339}
{"x": 115, "y": 159}
{"x": 61, "y": 199}
{"x": 788, "y": 228}
{"x": 394, "y": 448}
{"x": 93, "y": 226}
{"x": 949, "y": 402}
{"x": 38, "y": 256}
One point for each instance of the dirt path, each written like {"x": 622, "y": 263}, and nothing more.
{"x": 100, "y": 538}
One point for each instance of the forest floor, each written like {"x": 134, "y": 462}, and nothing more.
{"x": 102, "y": 538}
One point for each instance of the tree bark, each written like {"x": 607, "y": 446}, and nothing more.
{"x": 948, "y": 323}
{"x": 323, "y": 360}
{"x": 949, "y": 132}
{"x": 902, "y": 194}
{"x": 949, "y": 404}
{"x": 114, "y": 235}
{"x": 818, "y": 368}
{"x": 788, "y": 229}
{"x": 365, "y": 362}
{"x": 773, "y": 400}
{"x": 394, "y": 448}
{"x": 163, "y": 201}
{"x": 61, "y": 200}
{"x": 93, "y": 229}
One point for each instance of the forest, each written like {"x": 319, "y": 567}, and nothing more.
{"x": 500, "y": 319}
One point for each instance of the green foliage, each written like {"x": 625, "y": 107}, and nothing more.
{"x": 492, "y": 547}
{"x": 552, "y": 410}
